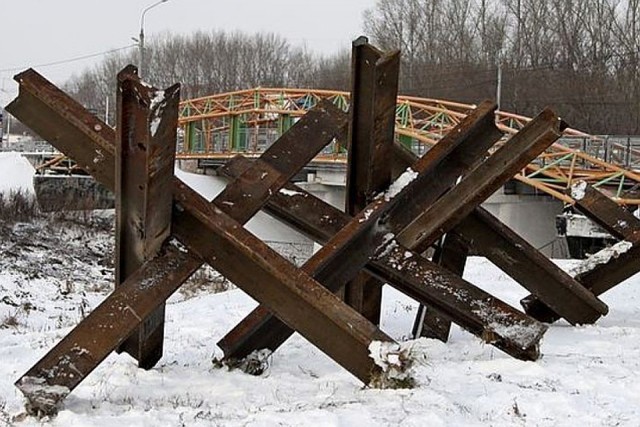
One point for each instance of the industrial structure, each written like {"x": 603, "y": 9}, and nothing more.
{"x": 399, "y": 207}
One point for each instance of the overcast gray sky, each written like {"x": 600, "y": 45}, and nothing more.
{"x": 34, "y": 32}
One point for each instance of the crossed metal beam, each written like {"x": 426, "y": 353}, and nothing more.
{"x": 616, "y": 266}
{"x": 386, "y": 227}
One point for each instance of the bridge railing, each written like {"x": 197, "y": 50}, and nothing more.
{"x": 620, "y": 150}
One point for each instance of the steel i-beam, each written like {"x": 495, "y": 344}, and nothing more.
{"x": 147, "y": 120}
{"x": 370, "y": 142}
{"x": 599, "y": 277}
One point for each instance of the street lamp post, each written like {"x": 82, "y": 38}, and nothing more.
{"x": 141, "y": 36}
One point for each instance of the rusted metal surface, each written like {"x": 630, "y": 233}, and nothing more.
{"x": 281, "y": 161}
{"x": 370, "y": 229}
{"x": 372, "y": 122}
{"x": 530, "y": 268}
{"x": 291, "y": 294}
{"x": 145, "y": 153}
{"x": 598, "y": 278}
{"x": 321, "y": 221}
{"x": 104, "y": 329}
{"x": 599, "y": 208}
{"x": 452, "y": 255}
{"x": 521, "y": 261}
{"x": 475, "y": 310}
{"x": 483, "y": 181}
{"x": 63, "y": 122}
{"x": 371, "y": 135}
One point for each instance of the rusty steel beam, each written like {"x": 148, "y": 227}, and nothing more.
{"x": 527, "y": 266}
{"x": 294, "y": 296}
{"x": 50, "y": 380}
{"x": 511, "y": 252}
{"x": 475, "y": 310}
{"x": 220, "y": 240}
{"x": 370, "y": 141}
{"x": 600, "y": 277}
{"x": 372, "y": 122}
{"x": 321, "y": 221}
{"x": 483, "y": 181}
{"x": 40, "y": 102}
{"x": 597, "y": 280}
{"x": 599, "y": 208}
{"x": 281, "y": 161}
{"x": 452, "y": 255}
{"x": 147, "y": 120}
{"x": 609, "y": 274}
{"x": 387, "y": 214}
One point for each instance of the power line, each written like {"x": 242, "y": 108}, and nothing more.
{"x": 66, "y": 61}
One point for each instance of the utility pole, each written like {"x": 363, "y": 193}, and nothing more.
{"x": 140, "y": 39}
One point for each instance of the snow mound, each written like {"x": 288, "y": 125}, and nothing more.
{"x": 17, "y": 173}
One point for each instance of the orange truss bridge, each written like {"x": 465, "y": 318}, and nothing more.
{"x": 245, "y": 122}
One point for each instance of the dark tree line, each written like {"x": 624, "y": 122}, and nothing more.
{"x": 581, "y": 57}
{"x": 578, "y": 56}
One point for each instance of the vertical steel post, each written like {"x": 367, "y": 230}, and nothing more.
{"x": 371, "y": 135}
{"x": 145, "y": 157}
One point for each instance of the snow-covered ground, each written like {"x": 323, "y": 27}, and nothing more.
{"x": 52, "y": 275}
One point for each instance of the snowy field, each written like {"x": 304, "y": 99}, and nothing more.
{"x": 588, "y": 376}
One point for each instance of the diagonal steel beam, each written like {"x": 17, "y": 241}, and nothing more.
{"x": 602, "y": 210}
{"x": 601, "y": 276}
{"x": 483, "y": 181}
{"x": 400, "y": 268}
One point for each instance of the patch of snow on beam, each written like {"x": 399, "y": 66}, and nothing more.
{"x": 505, "y": 327}
{"x": 387, "y": 245}
{"x": 578, "y": 190}
{"x": 156, "y": 110}
{"x": 157, "y": 99}
{"x": 290, "y": 193}
{"x": 398, "y": 185}
{"x": 601, "y": 257}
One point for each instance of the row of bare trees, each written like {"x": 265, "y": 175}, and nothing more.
{"x": 204, "y": 63}
{"x": 581, "y": 57}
